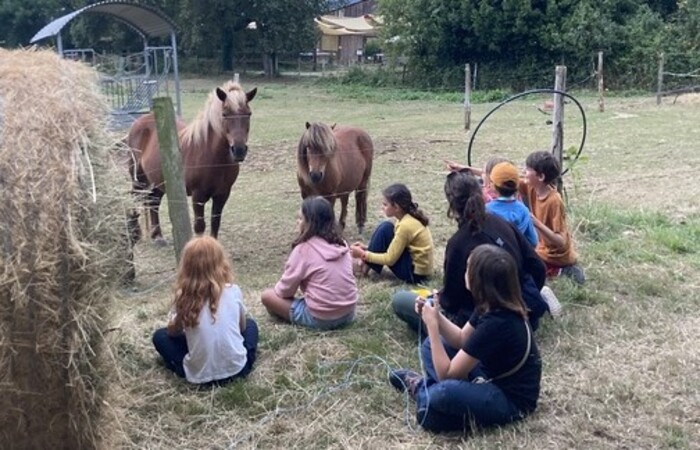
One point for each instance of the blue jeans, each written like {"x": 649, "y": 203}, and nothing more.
{"x": 173, "y": 349}
{"x": 299, "y": 315}
{"x": 403, "y": 267}
{"x": 456, "y": 405}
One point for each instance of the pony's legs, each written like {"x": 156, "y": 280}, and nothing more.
{"x": 217, "y": 208}
{"x": 198, "y": 202}
{"x": 139, "y": 189}
{"x": 361, "y": 208}
{"x": 153, "y": 204}
{"x": 343, "y": 209}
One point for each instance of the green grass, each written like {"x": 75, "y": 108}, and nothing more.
{"x": 620, "y": 367}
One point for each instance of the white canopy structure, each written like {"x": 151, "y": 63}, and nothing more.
{"x": 348, "y": 26}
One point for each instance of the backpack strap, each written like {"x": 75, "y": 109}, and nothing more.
{"x": 480, "y": 380}
{"x": 525, "y": 356}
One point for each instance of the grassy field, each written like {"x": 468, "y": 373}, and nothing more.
{"x": 620, "y": 367}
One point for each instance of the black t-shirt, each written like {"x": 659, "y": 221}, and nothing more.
{"x": 499, "y": 342}
{"x": 455, "y": 298}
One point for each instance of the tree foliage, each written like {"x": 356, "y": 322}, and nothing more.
{"x": 517, "y": 42}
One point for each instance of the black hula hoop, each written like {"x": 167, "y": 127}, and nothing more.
{"x": 523, "y": 94}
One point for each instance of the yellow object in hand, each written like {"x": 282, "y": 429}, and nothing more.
{"x": 424, "y": 293}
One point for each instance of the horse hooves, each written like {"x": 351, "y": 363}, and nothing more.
{"x": 360, "y": 229}
{"x": 160, "y": 242}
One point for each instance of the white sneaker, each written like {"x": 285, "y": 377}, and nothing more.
{"x": 552, "y": 301}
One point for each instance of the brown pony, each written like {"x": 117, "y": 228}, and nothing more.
{"x": 333, "y": 162}
{"x": 212, "y": 147}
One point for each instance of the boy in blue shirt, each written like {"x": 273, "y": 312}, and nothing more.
{"x": 505, "y": 179}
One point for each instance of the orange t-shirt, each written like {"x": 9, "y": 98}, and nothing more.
{"x": 550, "y": 210}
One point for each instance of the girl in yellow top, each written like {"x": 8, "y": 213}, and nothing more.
{"x": 406, "y": 247}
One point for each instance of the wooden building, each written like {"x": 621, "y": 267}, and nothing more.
{"x": 346, "y": 29}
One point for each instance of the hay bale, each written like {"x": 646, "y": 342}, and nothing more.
{"x": 62, "y": 252}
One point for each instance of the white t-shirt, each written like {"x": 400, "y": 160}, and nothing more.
{"x": 215, "y": 347}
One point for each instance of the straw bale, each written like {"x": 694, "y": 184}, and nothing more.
{"x": 62, "y": 246}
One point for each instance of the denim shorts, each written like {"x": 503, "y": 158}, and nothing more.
{"x": 299, "y": 315}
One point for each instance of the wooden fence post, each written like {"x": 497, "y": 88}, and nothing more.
{"x": 558, "y": 120}
{"x": 467, "y": 97}
{"x": 172, "y": 172}
{"x": 601, "y": 86}
{"x": 660, "y": 79}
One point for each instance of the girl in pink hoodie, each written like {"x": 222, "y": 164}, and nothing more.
{"x": 320, "y": 265}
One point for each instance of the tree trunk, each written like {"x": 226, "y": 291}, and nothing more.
{"x": 227, "y": 49}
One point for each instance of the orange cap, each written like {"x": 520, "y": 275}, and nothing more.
{"x": 504, "y": 172}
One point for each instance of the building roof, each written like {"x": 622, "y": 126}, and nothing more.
{"x": 146, "y": 20}
{"x": 348, "y": 26}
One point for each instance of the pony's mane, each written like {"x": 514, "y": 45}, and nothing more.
{"x": 319, "y": 137}
{"x": 209, "y": 117}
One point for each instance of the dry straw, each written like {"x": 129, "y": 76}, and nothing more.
{"x": 63, "y": 250}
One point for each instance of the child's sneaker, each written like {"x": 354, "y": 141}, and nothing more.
{"x": 574, "y": 272}
{"x": 552, "y": 301}
{"x": 405, "y": 380}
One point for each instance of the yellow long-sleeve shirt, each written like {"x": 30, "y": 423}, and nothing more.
{"x": 408, "y": 232}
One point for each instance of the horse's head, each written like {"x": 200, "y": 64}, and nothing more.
{"x": 316, "y": 147}
{"x": 235, "y": 115}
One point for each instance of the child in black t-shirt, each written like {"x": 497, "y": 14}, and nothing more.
{"x": 487, "y": 372}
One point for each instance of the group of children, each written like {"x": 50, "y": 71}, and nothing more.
{"x": 210, "y": 341}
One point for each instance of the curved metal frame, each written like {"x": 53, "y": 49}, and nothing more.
{"x": 523, "y": 94}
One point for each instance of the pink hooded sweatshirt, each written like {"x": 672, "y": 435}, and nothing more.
{"x": 323, "y": 272}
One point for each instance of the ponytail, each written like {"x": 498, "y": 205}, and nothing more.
{"x": 419, "y": 215}
{"x": 466, "y": 201}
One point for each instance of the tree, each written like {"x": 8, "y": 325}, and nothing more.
{"x": 21, "y": 19}
{"x": 284, "y": 26}
{"x": 517, "y": 42}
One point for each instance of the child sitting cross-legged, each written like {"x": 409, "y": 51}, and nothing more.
{"x": 486, "y": 373}
{"x": 405, "y": 247}
{"x": 208, "y": 340}
{"x": 320, "y": 266}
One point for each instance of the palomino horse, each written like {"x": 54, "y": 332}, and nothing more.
{"x": 212, "y": 147}
{"x": 332, "y": 162}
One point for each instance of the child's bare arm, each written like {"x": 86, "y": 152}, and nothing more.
{"x": 549, "y": 236}
{"x": 453, "y": 166}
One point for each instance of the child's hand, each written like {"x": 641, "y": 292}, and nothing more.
{"x": 430, "y": 313}
{"x": 453, "y": 166}
{"x": 357, "y": 251}
{"x": 359, "y": 244}
{"x": 433, "y": 300}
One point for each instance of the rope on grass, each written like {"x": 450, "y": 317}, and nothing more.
{"x": 523, "y": 94}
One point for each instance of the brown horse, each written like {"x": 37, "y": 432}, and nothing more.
{"x": 333, "y": 162}
{"x": 212, "y": 147}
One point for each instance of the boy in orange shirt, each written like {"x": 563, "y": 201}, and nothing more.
{"x": 555, "y": 246}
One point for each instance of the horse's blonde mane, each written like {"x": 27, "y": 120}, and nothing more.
{"x": 318, "y": 136}
{"x": 209, "y": 117}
